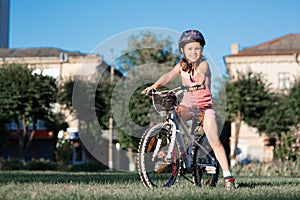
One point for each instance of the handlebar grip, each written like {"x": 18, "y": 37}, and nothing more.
{"x": 185, "y": 87}
{"x": 150, "y": 92}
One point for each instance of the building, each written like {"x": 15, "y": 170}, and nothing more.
{"x": 57, "y": 63}
{"x": 279, "y": 62}
{"x": 4, "y": 23}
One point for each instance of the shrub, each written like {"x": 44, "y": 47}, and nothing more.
{"x": 88, "y": 167}
{"x": 275, "y": 168}
{"x": 64, "y": 151}
{"x": 287, "y": 146}
{"x": 11, "y": 164}
{"x": 40, "y": 165}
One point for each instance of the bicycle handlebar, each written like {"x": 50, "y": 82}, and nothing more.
{"x": 183, "y": 88}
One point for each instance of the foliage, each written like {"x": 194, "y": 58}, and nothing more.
{"x": 40, "y": 165}
{"x": 11, "y": 164}
{"x": 248, "y": 99}
{"x": 146, "y": 59}
{"x": 64, "y": 149}
{"x": 86, "y": 89}
{"x": 287, "y": 146}
{"x": 88, "y": 167}
{"x": 282, "y": 122}
{"x": 283, "y": 113}
{"x": 272, "y": 169}
{"x": 293, "y": 102}
{"x": 46, "y": 165}
{"x": 251, "y": 96}
{"x": 277, "y": 118}
{"x": 127, "y": 141}
{"x": 25, "y": 94}
{"x": 147, "y": 48}
{"x": 27, "y": 97}
{"x": 4, "y": 133}
{"x": 65, "y": 93}
{"x": 103, "y": 101}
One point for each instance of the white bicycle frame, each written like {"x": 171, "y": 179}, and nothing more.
{"x": 176, "y": 135}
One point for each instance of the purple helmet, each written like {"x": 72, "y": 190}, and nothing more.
{"x": 191, "y": 36}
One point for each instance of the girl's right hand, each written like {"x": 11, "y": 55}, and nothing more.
{"x": 146, "y": 90}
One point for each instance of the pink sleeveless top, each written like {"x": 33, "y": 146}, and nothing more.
{"x": 199, "y": 98}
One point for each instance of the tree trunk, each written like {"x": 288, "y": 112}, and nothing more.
{"x": 238, "y": 122}
{"x": 21, "y": 140}
{"x": 22, "y": 136}
{"x": 32, "y": 133}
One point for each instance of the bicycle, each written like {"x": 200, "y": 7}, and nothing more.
{"x": 163, "y": 154}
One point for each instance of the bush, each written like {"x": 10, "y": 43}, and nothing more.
{"x": 287, "y": 146}
{"x": 63, "y": 151}
{"x": 44, "y": 165}
{"x": 11, "y": 164}
{"x": 88, "y": 167}
{"x": 40, "y": 165}
{"x": 275, "y": 168}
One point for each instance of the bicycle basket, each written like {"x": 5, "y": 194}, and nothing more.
{"x": 165, "y": 101}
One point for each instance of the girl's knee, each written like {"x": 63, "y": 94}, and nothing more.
{"x": 217, "y": 144}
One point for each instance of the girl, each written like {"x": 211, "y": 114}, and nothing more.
{"x": 194, "y": 71}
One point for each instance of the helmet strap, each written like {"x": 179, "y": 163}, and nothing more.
{"x": 191, "y": 70}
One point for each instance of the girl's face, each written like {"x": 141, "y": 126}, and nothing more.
{"x": 192, "y": 51}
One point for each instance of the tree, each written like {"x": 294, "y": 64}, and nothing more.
{"x": 282, "y": 124}
{"x": 248, "y": 99}
{"x": 102, "y": 90}
{"x": 90, "y": 102}
{"x": 147, "y": 48}
{"x": 283, "y": 113}
{"x": 146, "y": 59}
{"x": 278, "y": 118}
{"x": 26, "y": 97}
{"x": 294, "y": 103}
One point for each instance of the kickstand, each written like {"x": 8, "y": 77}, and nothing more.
{"x": 188, "y": 179}
{"x": 183, "y": 172}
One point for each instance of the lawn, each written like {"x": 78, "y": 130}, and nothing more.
{"x": 118, "y": 185}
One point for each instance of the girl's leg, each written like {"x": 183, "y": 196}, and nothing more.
{"x": 184, "y": 113}
{"x": 211, "y": 130}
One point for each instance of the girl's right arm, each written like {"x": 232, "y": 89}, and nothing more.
{"x": 165, "y": 78}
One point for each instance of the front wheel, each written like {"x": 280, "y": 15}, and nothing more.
{"x": 206, "y": 168}
{"x": 155, "y": 171}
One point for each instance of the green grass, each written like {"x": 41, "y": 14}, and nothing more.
{"x": 117, "y": 185}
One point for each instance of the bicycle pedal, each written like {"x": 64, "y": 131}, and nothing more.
{"x": 160, "y": 166}
{"x": 210, "y": 169}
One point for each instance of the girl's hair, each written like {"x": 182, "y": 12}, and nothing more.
{"x": 188, "y": 66}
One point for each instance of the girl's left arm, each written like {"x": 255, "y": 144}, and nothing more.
{"x": 204, "y": 71}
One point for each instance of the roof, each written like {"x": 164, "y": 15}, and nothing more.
{"x": 36, "y": 52}
{"x": 287, "y": 44}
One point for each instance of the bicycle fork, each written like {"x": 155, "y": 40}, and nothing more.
{"x": 171, "y": 144}
{"x": 186, "y": 154}
{"x": 175, "y": 135}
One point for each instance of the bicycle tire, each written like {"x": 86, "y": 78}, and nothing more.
{"x": 205, "y": 176}
{"x": 165, "y": 176}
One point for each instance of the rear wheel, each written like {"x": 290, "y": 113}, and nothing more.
{"x": 205, "y": 165}
{"x": 157, "y": 172}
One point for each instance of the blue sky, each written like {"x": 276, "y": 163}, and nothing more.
{"x": 83, "y": 24}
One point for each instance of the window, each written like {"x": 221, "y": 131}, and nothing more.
{"x": 284, "y": 81}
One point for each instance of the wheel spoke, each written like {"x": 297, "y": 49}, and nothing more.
{"x": 159, "y": 173}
